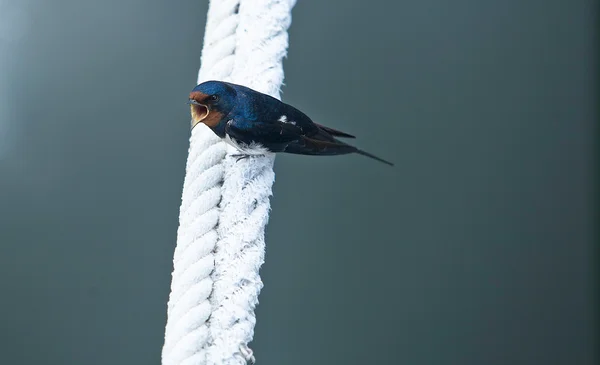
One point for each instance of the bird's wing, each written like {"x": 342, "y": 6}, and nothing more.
{"x": 281, "y": 125}
{"x": 310, "y": 146}
{"x": 272, "y": 134}
{"x": 334, "y": 132}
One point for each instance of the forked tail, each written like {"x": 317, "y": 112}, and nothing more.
{"x": 361, "y": 152}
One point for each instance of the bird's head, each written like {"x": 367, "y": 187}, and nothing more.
{"x": 210, "y": 102}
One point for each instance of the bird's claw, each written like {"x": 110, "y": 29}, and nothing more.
{"x": 242, "y": 156}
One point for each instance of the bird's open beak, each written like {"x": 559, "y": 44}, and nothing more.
{"x": 199, "y": 112}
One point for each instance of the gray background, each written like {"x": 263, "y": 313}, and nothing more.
{"x": 475, "y": 249}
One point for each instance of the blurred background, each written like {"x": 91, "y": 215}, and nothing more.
{"x": 476, "y": 248}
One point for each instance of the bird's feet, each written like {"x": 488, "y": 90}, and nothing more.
{"x": 242, "y": 156}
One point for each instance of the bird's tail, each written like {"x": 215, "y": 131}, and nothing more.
{"x": 364, "y": 153}
{"x": 309, "y": 146}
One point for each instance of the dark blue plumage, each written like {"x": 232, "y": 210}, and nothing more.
{"x": 257, "y": 123}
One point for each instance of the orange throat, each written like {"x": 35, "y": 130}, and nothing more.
{"x": 199, "y": 114}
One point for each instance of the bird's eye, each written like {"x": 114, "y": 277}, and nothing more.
{"x": 214, "y": 97}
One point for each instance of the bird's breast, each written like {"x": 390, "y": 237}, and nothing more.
{"x": 252, "y": 148}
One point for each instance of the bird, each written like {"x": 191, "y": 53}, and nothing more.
{"x": 256, "y": 123}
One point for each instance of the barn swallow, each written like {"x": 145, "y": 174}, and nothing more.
{"x": 256, "y": 123}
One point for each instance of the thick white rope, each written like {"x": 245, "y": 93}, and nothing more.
{"x": 187, "y": 335}
{"x": 244, "y": 42}
{"x": 262, "y": 42}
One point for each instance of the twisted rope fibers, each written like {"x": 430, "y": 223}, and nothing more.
{"x": 225, "y": 204}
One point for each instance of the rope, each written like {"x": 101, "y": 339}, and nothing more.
{"x": 261, "y": 45}
{"x": 225, "y": 204}
{"x": 187, "y": 334}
